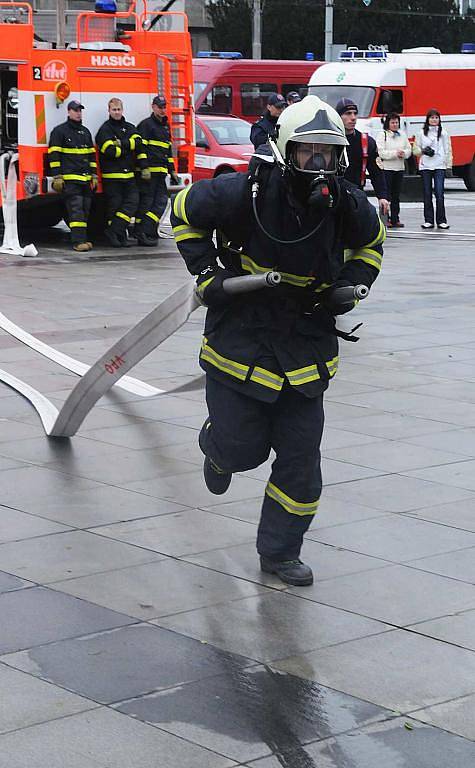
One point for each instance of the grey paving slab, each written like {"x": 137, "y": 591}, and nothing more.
{"x": 263, "y": 627}
{"x": 69, "y": 555}
{"x": 389, "y": 744}
{"x": 334, "y": 471}
{"x": 34, "y": 616}
{"x": 332, "y": 511}
{"x": 190, "y": 489}
{"x": 163, "y": 407}
{"x": 452, "y": 390}
{"x": 24, "y": 488}
{"x": 192, "y": 530}
{"x": 100, "y": 739}
{"x": 397, "y": 594}
{"x": 11, "y": 431}
{"x": 15, "y": 525}
{"x": 158, "y": 589}
{"x": 327, "y": 563}
{"x": 252, "y": 713}
{"x": 115, "y": 665}
{"x": 9, "y": 583}
{"x": 461, "y": 441}
{"x": 398, "y": 670}
{"x": 60, "y": 453}
{"x": 143, "y": 435}
{"x": 393, "y": 456}
{"x": 460, "y": 475}
{"x": 6, "y": 463}
{"x": 456, "y": 716}
{"x": 399, "y": 538}
{"x": 342, "y": 438}
{"x": 458, "y": 628}
{"x": 397, "y": 493}
{"x": 459, "y": 514}
{"x": 249, "y": 510}
{"x": 25, "y": 701}
{"x": 460, "y": 566}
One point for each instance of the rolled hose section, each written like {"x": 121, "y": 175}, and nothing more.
{"x": 248, "y": 283}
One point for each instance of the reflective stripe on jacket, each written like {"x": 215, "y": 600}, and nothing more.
{"x": 155, "y": 135}
{"x": 121, "y": 150}
{"x": 71, "y": 152}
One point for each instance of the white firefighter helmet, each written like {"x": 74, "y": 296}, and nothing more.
{"x": 310, "y": 121}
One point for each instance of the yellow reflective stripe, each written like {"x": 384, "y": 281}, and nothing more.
{"x": 267, "y": 378}
{"x": 123, "y": 216}
{"x": 369, "y": 256}
{"x": 184, "y": 232}
{"x": 380, "y": 237}
{"x": 129, "y": 175}
{"x": 179, "y": 205}
{"x": 93, "y": 164}
{"x": 172, "y": 161}
{"x": 77, "y": 177}
{"x": 303, "y": 375}
{"x": 77, "y": 224}
{"x": 54, "y": 164}
{"x": 301, "y": 281}
{"x": 231, "y": 367}
{"x": 332, "y": 366}
{"x": 152, "y": 216}
{"x": 158, "y": 169}
{"x": 202, "y": 286}
{"x": 143, "y": 156}
{"x": 156, "y": 143}
{"x": 289, "y": 504}
{"x": 54, "y": 149}
{"x": 108, "y": 143}
{"x": 73, "y": 150}
{"x": 137, "y": 220}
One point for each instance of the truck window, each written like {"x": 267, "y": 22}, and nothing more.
{"x": 198, "y": 89}
{"x": 254, "y": 97}
{"x": 389, "y": 101}
{"x": 301, "y": 88}
{"x": 363, "y": 96}
{"x": 218, "y": 101}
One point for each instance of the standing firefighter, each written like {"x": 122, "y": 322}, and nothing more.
{"x": 120, "y": 152}
{"x": 155, "y": 133}
{"x": 72, "y": 160}
{"x": 269, "y": 355}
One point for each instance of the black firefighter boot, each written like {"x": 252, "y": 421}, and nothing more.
{"x": 292, "y": 572}
{"x": 217, "y": 480}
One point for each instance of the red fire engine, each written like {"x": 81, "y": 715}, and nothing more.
{"x": 115, "y": 54}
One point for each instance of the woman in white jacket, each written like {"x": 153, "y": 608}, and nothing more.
{"x": 393, "y": 148}
{"x": 434, "y": 148}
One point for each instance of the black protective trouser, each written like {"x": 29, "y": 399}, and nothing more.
{"x": 239, "y": 437}
{"x": 77, "y": 199}
{"x": 153, "y": 201}
{"x": 122, "y": 198}
{"x": 394, "y": 181}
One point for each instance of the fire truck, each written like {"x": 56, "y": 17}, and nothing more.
{"x": 126, "y": 54}
{"x": 409, "y": 83}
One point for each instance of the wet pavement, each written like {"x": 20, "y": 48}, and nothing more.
{"x": 136, "y": 629}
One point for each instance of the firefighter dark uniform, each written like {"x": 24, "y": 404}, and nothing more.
{"x": 269, "y": 355}
{"x": 265, "y": 126}
{"x": 72, "y": 158}
{"x": 155, "y": 133}
{"x": 120, "y": 152}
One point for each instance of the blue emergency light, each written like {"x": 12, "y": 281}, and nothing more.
{"x": 106, "y": 6}
{"x": 219, "y": 55}
{"x": 467, "y": 48}
{"x": 359, "y": 54}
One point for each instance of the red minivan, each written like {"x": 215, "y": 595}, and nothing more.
{"x": 240, "y": 87}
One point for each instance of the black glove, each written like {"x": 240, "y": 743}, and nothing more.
{"x": 209, "y": 286}
{"x": 332, "y": 302}
{"x": 428, "y": 151}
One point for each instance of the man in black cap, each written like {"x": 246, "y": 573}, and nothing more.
{"x": 293, "y": 98}
{"x": 362, "y": 154}
{"x": 72, "y": 160}
{"x": 265, "y": 126}
{"x": 156, "y": 137}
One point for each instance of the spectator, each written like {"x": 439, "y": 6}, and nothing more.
{"x": 393, "y": 148}
{"x": 72, "y": 159}
{"x": 155, "y": 133}
{"x": 362, "y": 154}
{"x": 265, "y": 126}
{"x": 433, "y": 147}
{"x": 120, "y": 151}
{"x": 293, "y": 98}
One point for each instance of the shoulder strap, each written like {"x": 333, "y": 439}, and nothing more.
{"x": 364, "y": 151}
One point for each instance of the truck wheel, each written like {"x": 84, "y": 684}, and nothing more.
{"x": 469, "y": 176}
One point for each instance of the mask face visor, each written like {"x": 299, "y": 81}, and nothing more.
{"x": 314, "y": 158}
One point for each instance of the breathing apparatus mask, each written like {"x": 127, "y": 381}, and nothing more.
{"x": 313, "y": 167}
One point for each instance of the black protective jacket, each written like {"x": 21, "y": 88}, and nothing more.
{"x": 155, "y": 133}
{"x": 355, "y": 164}
{"x": 119, "y": 159}
{"x": 261, "y": 339}
{"x": 264, "y": 128}
{"x": 71, "y": 152}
